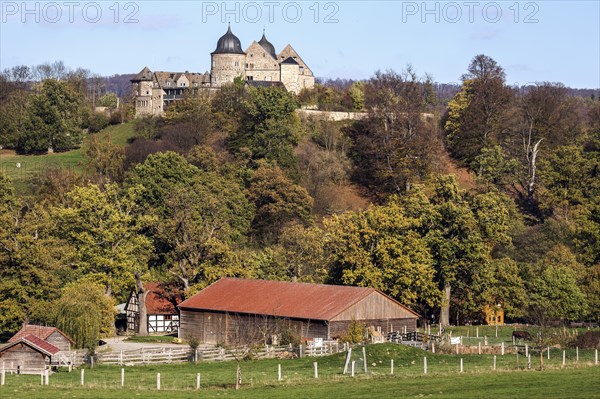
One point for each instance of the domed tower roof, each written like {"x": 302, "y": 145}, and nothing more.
{"x": 228, "y": 44}
{"x": 267, "y": 46}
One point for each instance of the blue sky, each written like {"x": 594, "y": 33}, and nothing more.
{"x": 534, "y": 41}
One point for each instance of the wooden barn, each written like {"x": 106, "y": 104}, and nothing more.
{"x": 163, "y": 317}
{"x": 27, "y": 355}
{"x": 235, "y": 311}
{"x": 51, "y": 335}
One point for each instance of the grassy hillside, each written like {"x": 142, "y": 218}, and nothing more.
{"x": 23, "y": 168}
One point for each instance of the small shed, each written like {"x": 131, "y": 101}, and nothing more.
{"x": 233, "y": 310}
{"x": 27, "y": 355}
{"x": 163, "y": 316}
{"x": 52, "y": 335}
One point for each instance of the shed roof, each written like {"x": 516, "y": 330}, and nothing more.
{"x": 34, "y": 342}
{"x": 42, "y": 332}
{"x": 279, "y": 298}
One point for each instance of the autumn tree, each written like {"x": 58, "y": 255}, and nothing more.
{"x": 54, "y": 119}
{"x": 277, "y": 201}
{"x": 477, "y": 115}
{"x": 554, "y": 288}
{"x": 381, "y": 248}
{"x": 303, "y": 253}
{"x": 547, "y": 119}
{"x": 460, "y": 230}
{"x": 103, "y": 159}
{"x": 204, "y": 221}
{"x": 104, "y": 226}
{"x": 394, "y": 146}
{"x": 33, "y": 262}
{"x": 269, "y": 127}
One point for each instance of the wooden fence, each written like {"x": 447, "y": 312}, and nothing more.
{"x": 144, "y": 356}
{"x": 186, "y": 354}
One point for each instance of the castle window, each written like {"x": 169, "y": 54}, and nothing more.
{"x": 147, "y": 92}
{"x": 237, "y": 63}
{"x": 214, "y": 64}
{"x": 251, "y": 55}
{"x": 195, "y": 84}
{"x": 168, "y": 83}
{"x": 301, "y": 69}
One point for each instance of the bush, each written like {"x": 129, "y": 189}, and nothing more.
{"x": 115, "y": 117}
{"x": 355, "y": 334}
{"x": 97, "y": 122}
{"x": 588, "y": 340}
{"x": 289, "y": 336}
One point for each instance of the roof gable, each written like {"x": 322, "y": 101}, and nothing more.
{"x": 278, "y": 298}
{"x": 287, "y": 52}
{"x": 35, "y": 343}
{"x": 42, "y": 332}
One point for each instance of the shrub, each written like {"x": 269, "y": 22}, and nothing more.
{"x": 355, "y": 334}
{"x": 97, "y": 122}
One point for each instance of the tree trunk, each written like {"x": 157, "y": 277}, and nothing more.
{"x": 142, "y": 325}
{"x": 445, "y": 310}
{"x": 238, "y": 376}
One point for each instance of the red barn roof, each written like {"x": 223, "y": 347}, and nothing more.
{"x": 34, "y": 342}
{"x": 42, "y": 332}
{"x": 279, "y": 298}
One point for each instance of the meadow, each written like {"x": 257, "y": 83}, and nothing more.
{"x": 260, "y": 378}
{"x": 24, "y": 170}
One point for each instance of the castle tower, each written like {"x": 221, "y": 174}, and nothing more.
{"x": 228, "y": 60}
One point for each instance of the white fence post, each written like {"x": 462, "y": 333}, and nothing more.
{"x": 425, "y": 365}
{"x": 392, "y": 366}
{"x": 348, "y": 355}
{"x": 461, "y": 365}
{"x": 122, "y": 377}
{"x": 47, "y": 377}
{"x": 316, "y": 367}
{"x": 158, "y": 381}
{"x": 548, "y": 353}
{"x": 352, "y": 369}
{"x": 364, "y": 359}
{"x": 82, "y": 377}
{"x": 494, "y": 362}
{"x": 502, "y": 348}
{"x": 279, "y": 372}
{"x": 433, "y": 347}
{"x": 479, "y": 348}
{"x": 526, "y": 350}
{"x": 577, "y": 354}
{"x": 596, "y": 357}
{"x": 198, "y": 381}
{"x": 564, "y": 358}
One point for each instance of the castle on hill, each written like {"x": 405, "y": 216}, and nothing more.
{"x": 259, "y": 65}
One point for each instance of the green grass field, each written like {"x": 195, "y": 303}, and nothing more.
{"x": 32, "y": 166}
{"x": 575, "y": 380}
